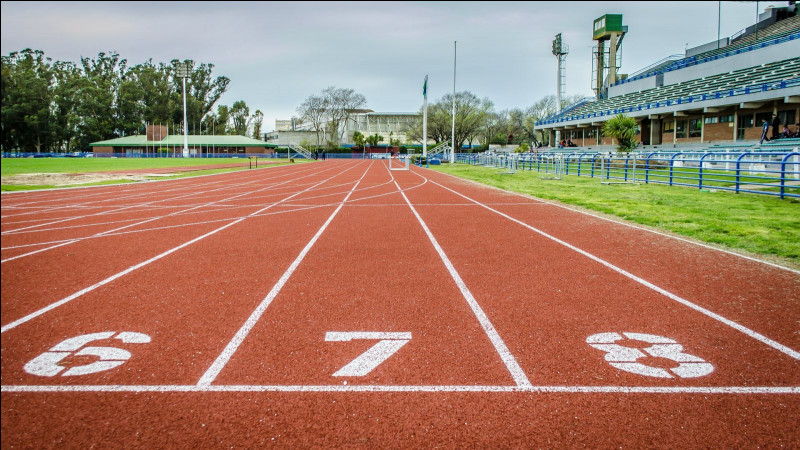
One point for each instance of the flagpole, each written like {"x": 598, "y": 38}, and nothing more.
{"x": 453, "y": 135}
{"x": 425, "y": 120}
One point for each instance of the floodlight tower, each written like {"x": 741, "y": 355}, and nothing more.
{"x": 560, "y": 51}
{"x": 607, "y": 61}
{"x": 182, "y": 71}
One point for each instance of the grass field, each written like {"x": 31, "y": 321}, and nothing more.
{"x": 15, "y": 166}
{"x": 20, "y": 166}
{"x": 759, "y": 224}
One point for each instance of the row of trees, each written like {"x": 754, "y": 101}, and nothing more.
{"x": 63, "y": 106}
{"x": 478, "y": 123}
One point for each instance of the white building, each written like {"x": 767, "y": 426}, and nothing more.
{"x": 365, "y": 121}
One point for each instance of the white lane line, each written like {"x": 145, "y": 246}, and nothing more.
{"x": 297, "y": 207}
{"x": 124, "y": 208}
{"x": 151, "y": 219}
{"x": 536, "y": 199}
{"x": 505, "y": 354}
{"x": 211, "y": 187}
{"x": 711, "y": 390}
{"x": 218, "y": 364}
{"x": 757, "y": 336}
{"x": 172, "y": 180}
{"x": 68, "y": 299}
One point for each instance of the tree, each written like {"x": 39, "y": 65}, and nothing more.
{"x": 471, "y": 115}
{"x": 623, "y": 129}
{"x": 202, "y": 90}
{"x": 374, "y": 139}
{"x": 358, "y": 139}
{"x": 27, "y": 96}
{"x": 258, "y": 121}
{"x": 240, "y": 117}
{"x": 312, "y": 111}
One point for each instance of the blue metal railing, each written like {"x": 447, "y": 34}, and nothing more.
{"x": 768, "y": 173}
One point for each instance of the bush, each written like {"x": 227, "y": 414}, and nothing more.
{"x": 623, "y": 129}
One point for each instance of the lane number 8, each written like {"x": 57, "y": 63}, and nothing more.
{"x": 627, "y": 358}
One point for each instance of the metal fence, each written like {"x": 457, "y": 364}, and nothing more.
{"x": 769, "y": 173}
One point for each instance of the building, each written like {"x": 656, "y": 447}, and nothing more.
{"x": 717, "y": 92}
{"x": 365, "y": 121}
{"x": 157, "y": 141}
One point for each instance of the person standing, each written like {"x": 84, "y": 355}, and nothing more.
{"x": 776, "y": 127}
{"x": 764, "y": 129}
{"x": 323, "y": 155}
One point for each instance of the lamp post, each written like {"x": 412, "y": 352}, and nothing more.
{"x": 182, "y": 71}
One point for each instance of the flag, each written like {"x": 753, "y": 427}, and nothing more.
{"x": 425, "y": 88}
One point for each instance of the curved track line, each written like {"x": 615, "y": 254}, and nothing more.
{"x": 68, "y": 299}
{"x": 777, "y": 266}
{"x": 141, "y": 222}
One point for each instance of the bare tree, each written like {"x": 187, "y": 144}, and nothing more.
{"x": 341, "y": 103}
{"x": 313, "y": 111}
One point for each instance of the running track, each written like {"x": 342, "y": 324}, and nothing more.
{"x": 235, "y": 309}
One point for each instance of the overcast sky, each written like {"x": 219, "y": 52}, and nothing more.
{"x": 277, "y": 54}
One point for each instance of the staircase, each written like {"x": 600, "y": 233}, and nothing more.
{"x": 441, "y": 151}
{"x": 299, "y": 149}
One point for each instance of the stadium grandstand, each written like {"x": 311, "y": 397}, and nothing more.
{"x": 717, "y": 92}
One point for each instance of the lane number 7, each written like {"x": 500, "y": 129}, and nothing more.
{"x": 388, "y": 344}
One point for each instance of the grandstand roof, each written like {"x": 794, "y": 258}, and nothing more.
{"x": 781, "y": 31}
{"x": 176, "y": 140}
{"x": 725, "y": 88}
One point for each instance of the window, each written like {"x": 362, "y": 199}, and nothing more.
{"x": 669, "y": 126}
{"x": 680, "y": 129}
{"x": 787, "y": 117}
{"x": 695, "y": 128}
{"x": 709, "y": 120}
{"x": 726, "y": 119}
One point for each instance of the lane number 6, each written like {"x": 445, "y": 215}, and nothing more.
{"x": 47, "y": 364}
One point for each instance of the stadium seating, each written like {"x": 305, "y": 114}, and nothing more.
{"x": 750, "y": 80}
{"x": 781, "y": 31}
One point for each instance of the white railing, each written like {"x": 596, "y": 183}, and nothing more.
{"x": 301, "y": 150}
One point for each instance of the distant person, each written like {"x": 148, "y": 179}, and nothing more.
{"x": 764, "y": 129}
{"x": 316, "y": 154}
{"x": 796, "y": 131}
{"x": 323, "y": 155}
{"x": 786, "y": 133}
{"x": 776, "y": 125}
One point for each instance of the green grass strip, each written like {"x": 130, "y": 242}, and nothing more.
{"x": 758, "y": 224}
{"x": 15, "y": 166}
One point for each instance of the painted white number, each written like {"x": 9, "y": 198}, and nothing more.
{"x": 626, "y": 358}
{"x": 47, "y": 364}
{"x": 388, "y": 345}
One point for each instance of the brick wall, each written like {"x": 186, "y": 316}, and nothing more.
{"x": 719, "y": 132}
{"x": 97, "y": 150}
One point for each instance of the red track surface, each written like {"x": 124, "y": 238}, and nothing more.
{"x": 238, "y": 279}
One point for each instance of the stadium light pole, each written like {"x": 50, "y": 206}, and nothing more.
{"x": 182, "y": 70}
{"x": 453, "y": 132}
